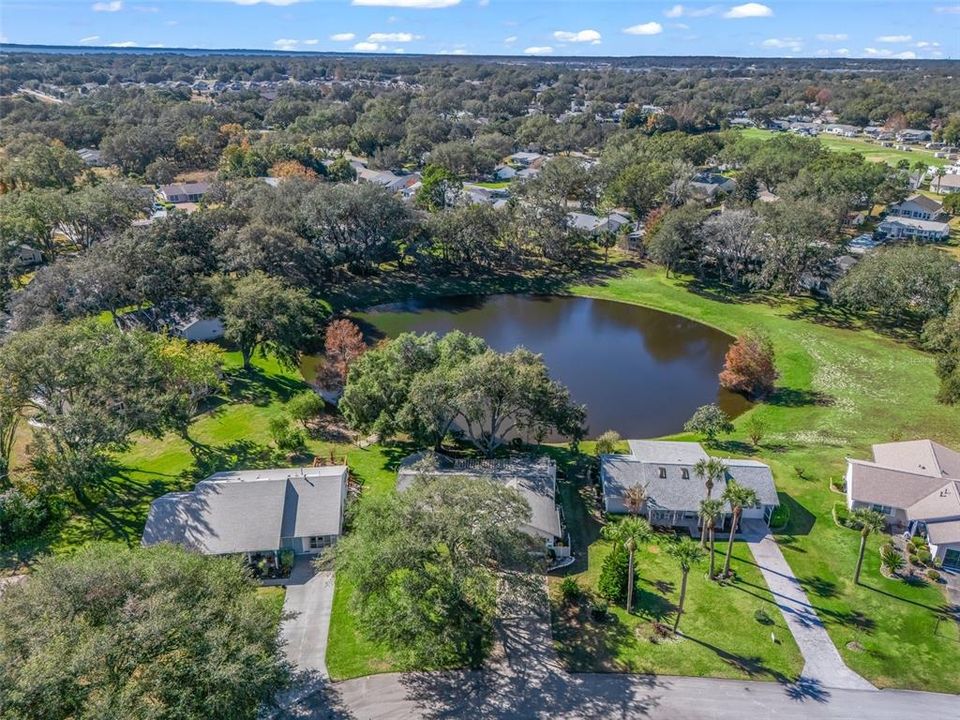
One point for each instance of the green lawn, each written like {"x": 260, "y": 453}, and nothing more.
{"x": 842, "y": 390}
{"x": 870, "y": 150}
{"x": 497, "y": 185}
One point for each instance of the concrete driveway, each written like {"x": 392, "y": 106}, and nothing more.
{"x": 308, "y": 604}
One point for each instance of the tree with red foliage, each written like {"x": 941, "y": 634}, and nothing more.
{"x": 344, "y": 344}
{"x": 749, "y": 366}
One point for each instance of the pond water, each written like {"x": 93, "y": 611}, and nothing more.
{"x": 640, "y": 372}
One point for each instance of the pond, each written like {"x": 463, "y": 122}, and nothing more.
{"x": 639, "y": 371}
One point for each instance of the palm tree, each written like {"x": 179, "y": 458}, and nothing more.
{"x": 688, "y": 554}
{"x": 941, "y": 171}
{"x": 710, "y": 512}
{"x": 709, "y": 470}
{"x": 631, "y": 532}
{"x": 738, "y": 497}
{"x": 870, "y": 521}
{"x": 634, "y": 497}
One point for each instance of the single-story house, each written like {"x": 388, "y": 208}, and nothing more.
{"x": 916, "y": 484}
{"x": 184, "y": 192}
{"x": 665, "y": 471}
{"x": 525, "y": 159}
{"x": 389, "y": 180}
{"x": 196, "y": 328}
{"x": 919, "y": 207}
{"x": 897, "y": 228}
{"x": 535, "y": 478}
{"x": 504, "y": 172}
{"x": 27, "y": 256}
{"x": 949, "y": 183}
{"x": 706, "y": 186}
{"x": 914, "y": 135}
{"x": 595, "y": 225}
{"x": 253, "y": 512}
{"x": 91, "y": 157}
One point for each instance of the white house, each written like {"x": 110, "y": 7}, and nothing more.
{"x": 666, "y": 471}
{"x": 596, "y": 225}
{"x": 254, "y": 512}
{"x": 184, "y": 192}
{"x": 949, "y": 183}
{"x": 916, "y": 485}
{"x": 903, "y": 228}
{"x": 199, "y": 329}
{"x": 919, "y": 207}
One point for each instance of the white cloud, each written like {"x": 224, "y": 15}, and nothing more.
{"x": 285, "y": 44}
{"x": 89, "y": 39}
{"x": 794, "y": 44}
{"x": 156, "y": 45}
{"x": 483, "y": 3}
{"x": 680, "y": 26}
{"x": 887, "y": 53}
{"x": 538, "y": 50}
{"x": 455, "y": 51}
{"x": 906, "y": 55}
{"x": 401, "y": 37}
{"x": 894, "y": 38}
{"x": 650, "y": 28}
{"x": 684, "y": 11}
{"x": 928, "y": 44}
{"x": 125, "y": 43}
{"x": 312, "y": 41}
{"x": 590, "y": 36}
{"x": 947, "y": 10}
{"x": 111, "y": 6}
{"x": 832, "y": 37}
{"x": 839, "y": 52}
{"x": 368, "y": 47}
{"x": 413, "y": 4}
{"x": 750, "y": 10}
{"x": 343, "y": 37}
{"x": 510, "y": 40}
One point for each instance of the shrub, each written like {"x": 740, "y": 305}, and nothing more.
{"x": 749, "y": 366}
{"x": 613, "y": 575}
{"x": 756, "y": 428}
{"x": 780, "y": 516}
{"x": 891, "y": 559}
{"x": 709, "y": 421}
{"x": 570, "y": 591}
{"x": 287, "y": 559}
{"x": 286, "y": 437}
{"x": 607, "y": 442}
{"x": 762, "y": 617}
{"x": 933, "y": 575}
{"x": 305, "y": 407}
{"x": 599, "y": 611}
{"x": 22, "y": 516}
{"x": 914, "y": 560}
{"x": 841, "y": 516}
{"x": 918, "y": 541}
{"x": 924, "y": 555}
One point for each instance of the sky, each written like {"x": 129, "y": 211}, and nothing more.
{"x": 776, "y": 28}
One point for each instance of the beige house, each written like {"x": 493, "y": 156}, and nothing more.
{"x": 916, "y": 484}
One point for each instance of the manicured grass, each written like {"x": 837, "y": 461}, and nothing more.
{"x": 870, "y": 150}
{"x": 843, "y": 388}
{"x": 498, "y": 185}
{"x": 274, "y": 597}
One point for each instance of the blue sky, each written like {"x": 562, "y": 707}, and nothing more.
{"x": 775, "y": 28}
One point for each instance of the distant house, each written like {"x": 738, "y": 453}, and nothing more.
{"x": 199, "y": 329}
{"x": 504, "y": 172}
{"x": 920, "y": 207}
{"x": 914, "y": 136}
{"x": 91, "y": 157}
{"x": 253, "y": 512}
{"x": 947, "y": 184}
{"x": 916, "y": 485}
{"x": 387, "y": 179}
{"x": 535, "y": 478}
{"x": 184, "y": 192}
{"x": 191, "y": 325}
{"x": 903, "y": 228}
{"x": 27, "y": 256}
{"x": 707, "y": 186}
{"x": 665, "y": 471}
{"x": 595, "y": 225}
{"x": 525, "y": 159}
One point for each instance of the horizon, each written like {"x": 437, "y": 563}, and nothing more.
{"x": 788, "y": 29}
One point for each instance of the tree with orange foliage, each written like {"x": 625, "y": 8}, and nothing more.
{"x": 290, "y": 169}
{"x": 344, "y": 344}
{"x": 749, "y": 366}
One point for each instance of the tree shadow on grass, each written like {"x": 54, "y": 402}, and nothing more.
{"x": 944, "y": 609}
{"x": 801, "y": 520}
{"x": 736, "y": 447}
{"x": 237, "y": 455}
{"x": 798, "y": 397}
{"x": 259, "y": 388}
{"x": 753, "y": 666}
{"x": 821, "y": 587}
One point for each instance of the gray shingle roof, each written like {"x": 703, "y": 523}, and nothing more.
{"x": 249, "y": 511}
{"x": 681, "y": 488}
{"x": 534, "y": 478}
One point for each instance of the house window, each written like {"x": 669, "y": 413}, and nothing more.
{"x": 319, "y": 542}
{"x": 663, "y": 472}
{"x": 685, "y": 473}
{"x": 885, "y": 509}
